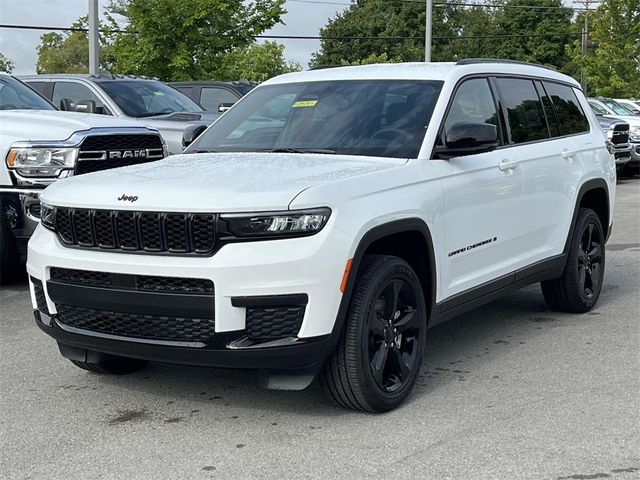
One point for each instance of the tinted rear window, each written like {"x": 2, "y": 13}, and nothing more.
{"x": 525, "y": 115}
{"x": 571, "y": 118}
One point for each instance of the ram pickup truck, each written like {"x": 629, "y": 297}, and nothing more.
{"x": 617, "y": 134}
{"x": 368, "y": 204}
{"x": 146, "y": 101}
{"x": 40, "y": 145}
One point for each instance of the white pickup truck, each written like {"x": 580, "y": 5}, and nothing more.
{"x": 40, "y": 145}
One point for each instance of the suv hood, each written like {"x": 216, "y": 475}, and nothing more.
{"x": 43, "y": 125}
{"x": 211, "y": 182}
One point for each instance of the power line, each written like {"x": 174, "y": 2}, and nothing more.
{"x": 308, "y": 37}
{"x": 453, "y": 4}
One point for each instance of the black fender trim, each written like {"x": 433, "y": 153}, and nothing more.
{"x": 377, "y": 233}
{"x": 593, "y": 184}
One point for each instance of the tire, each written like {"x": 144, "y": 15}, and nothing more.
{"x": 385, "y": 326}
{"x": 578, "y": 289}
{"x": 112, "y": 365}
{"x": 9, "y": 258}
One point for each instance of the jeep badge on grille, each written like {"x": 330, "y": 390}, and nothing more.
{"x": 128, "y": 198}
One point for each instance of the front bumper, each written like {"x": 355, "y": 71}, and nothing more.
{"x": 635, "y": 154}
{"x": 311, "y": 267}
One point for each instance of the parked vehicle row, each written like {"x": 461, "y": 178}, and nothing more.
{"x": 40, "y": 145}
{"x": 215, "y": 96}
{"x": 327, "y": 221}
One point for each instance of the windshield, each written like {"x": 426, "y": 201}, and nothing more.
{"x": 617, "y": 108}
{"x": 146, "y": 98}
{"x": 386, "y": 118}
{"x": 15, "y": 95}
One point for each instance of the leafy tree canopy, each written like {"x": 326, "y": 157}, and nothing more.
{"x": 6, "y": 64}
{"x": 257, "y": 62}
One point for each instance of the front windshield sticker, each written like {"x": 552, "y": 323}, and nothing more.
{"x": 159, "y": 94}
{"x": 305, "y": 103}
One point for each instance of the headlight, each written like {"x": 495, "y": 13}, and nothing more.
{"x": 634, "y": 134}
{"x": 277, "y": 224}
{"x": 41, "y": 161}
{"x": 47, "y": 216}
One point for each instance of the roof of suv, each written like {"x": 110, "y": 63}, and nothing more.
{"x": 444, "y": 71}
{"x": 85, "y": 76}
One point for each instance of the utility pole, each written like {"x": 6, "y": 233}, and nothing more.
{"x": 585, "y": 38}
{"x": 427, "y": 31}
{"x": 94, "y": 54}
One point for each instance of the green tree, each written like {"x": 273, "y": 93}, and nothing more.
{"x": 257, "y": 62}
{"x": 612, "y": 66}
{"x": 187, "y": 39}
{"x": 6, "y": 64}
{"x": 68, "y": 52}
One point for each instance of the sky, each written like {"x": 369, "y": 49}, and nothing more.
{"x": 20, "y": 45}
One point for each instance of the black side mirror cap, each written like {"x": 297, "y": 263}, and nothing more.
{"x": 191, "y": 133}
{"x": 468, "y": 138}
{"x": 67, "y": 105}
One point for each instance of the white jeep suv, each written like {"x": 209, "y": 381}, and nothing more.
{"x": 326, "y": 221}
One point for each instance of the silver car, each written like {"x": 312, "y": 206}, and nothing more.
{"x": 147, "y": 101}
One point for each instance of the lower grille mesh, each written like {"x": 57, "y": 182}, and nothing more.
{"x": 272, "y": 323}
{"x": 41, "y": 301}
{"x": 150, "y": 327}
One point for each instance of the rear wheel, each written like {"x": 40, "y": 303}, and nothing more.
{"x": 578, "y": 289}
{"x": 112, "y": 365}
{"x": 378, "y": 356}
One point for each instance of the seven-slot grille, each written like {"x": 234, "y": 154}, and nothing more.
{"x": 147, "y": 232}
{"x": 102, "y": 152}
{"x": 620, "y": 134}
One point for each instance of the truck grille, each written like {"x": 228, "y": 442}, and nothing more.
{"x": 102, "y": 152}
{"x": 146, "y": 232}
{"x": 151, "y": 327}
{"x": 620, "y": 134}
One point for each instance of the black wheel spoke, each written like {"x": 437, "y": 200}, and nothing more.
{"x": 582, "y": 277}
{"x": 378, "y": 325}
{"x": 401, "y": 369}
{"x": 582, "y": 256}
{"x": 595, "y": 253}
{"x": 408, "y": 319}
{"x": 594, "y": 277}
{"x": 590, "y": 230}
{"x": 379, "y": 362}
{"x": 391, "y": 298}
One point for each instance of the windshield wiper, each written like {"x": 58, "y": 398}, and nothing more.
{"x": 298, "y": 150}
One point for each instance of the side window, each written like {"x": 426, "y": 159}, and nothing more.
{"x": 40, "y": 87}
{"x": 598, "y": 109}
{"x": 524, "y": 110}
{"x": 472, "y": 102}
{"x": 549, "y": 112}
{"x": 212, "y": 97}
{"x": 188, "y": 91}
{"x": 571, "y": 118}
{"x": 78, "y": 93}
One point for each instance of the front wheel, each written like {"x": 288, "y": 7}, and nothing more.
{"x": 379, "y": 353}
{"x": 578, "y": 289}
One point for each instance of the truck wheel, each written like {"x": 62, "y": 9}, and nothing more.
{"x": 578, "y": 289}
{"x": 379, "y": 353}
{"x": 9, "y": 258}
{"x": 113, "y": 365}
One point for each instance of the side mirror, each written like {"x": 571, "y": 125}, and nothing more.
{"x": 469, "y": 138}
{"x": 86, "y": 106}
{"x": 223, "y": 107}
{"x": 67, "y": 105}
{"x": 191, "y": 133}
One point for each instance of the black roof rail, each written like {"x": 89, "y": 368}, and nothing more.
{"x": 324, "y": 67}
{"x": 475, "y": 61}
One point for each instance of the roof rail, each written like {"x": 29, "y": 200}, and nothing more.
{"x": 324, "y": 67}
{"x": 475, "y": 61}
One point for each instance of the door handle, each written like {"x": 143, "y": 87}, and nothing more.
{"x": 567, "y": 154}
{"x": 506, "y": 165}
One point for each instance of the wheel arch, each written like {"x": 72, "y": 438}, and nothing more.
{"x": 593, "y": 194}
{"x": 383, "y": 239}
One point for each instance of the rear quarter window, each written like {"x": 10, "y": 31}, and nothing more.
{"x": 571, "y": 118}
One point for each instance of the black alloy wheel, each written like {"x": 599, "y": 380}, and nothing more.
{"x": 578, "y": 289}
{"x": 394, "y": 335}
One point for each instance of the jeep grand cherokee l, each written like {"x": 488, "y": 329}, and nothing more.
{"x": 325, "y": 240}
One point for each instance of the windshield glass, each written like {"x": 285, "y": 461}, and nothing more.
{"x": 385, "y": 118}
{"x": 617, "y": 108}
{"x": 15, "y": 95}
{"x": 146, "y": 98}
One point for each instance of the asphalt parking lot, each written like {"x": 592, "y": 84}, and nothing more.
{"x": 510, "y": 391}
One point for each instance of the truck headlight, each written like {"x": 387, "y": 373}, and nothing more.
{"x": 277, "y": 224}
{"x": 41, "y": 161}
{"x": 634, "y": 134}
{"x": 47, "y": 216}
